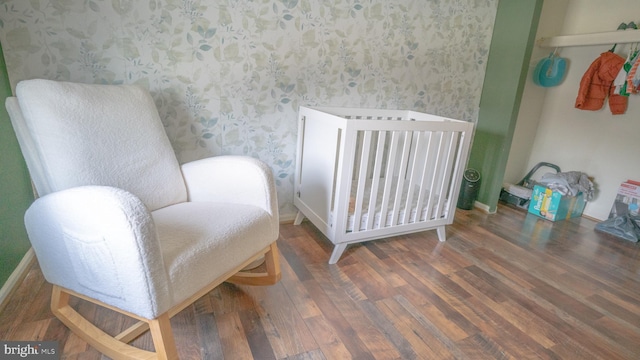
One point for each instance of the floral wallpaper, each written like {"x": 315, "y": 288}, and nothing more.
{"x": 229, "y": 75}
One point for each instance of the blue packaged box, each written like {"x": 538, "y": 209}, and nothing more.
{"x": 552, "y": 205}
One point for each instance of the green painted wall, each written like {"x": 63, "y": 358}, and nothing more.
{"x": 15, "y": 188}
{"x": 509, "y": 56}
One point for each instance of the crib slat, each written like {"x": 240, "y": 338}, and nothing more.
{"x": 375, "y": 180}
{"x": 401, "y": 177}
{"x": 451, "y": 144}
{"x": 361, "y": 180}
{"x": 438, "y": 169}
{"x": 439, "y": 173}
{"x": 423, "y": 177}
{"x": 416, "y": 164}
{"x": 434, "y": 158}
{"x": 388, "y": 177}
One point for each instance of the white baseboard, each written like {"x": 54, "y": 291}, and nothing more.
{"x": 287, "y": 218}
{"x": 483, "y": 207}
{"x": 16, "y": 277}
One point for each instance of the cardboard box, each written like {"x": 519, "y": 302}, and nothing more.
{"x": 627, "y": 200}
{"x": 552, "y": 205}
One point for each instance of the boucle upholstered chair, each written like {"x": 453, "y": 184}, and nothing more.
{"x": 120, "y": 223}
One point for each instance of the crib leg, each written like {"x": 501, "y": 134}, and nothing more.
{"x": 337, "y": 252}
{"x": 442, "y": 233}
{"x": 299, "y": 218}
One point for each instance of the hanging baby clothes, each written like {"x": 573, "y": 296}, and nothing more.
{"x": 620, "y": 82}
{"x": 624, "y": 90}
{"x": 633, "y": 78}
{"x": 597, "y": 83}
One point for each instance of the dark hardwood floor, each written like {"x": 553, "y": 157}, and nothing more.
{"x": 503, "y": 286}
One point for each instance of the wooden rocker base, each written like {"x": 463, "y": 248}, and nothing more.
{"x": 117, "y": 347}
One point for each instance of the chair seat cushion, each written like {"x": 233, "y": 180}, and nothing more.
{"x": 193, "y": 235}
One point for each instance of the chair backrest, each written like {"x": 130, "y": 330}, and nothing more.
{"x": 83, "y": 134}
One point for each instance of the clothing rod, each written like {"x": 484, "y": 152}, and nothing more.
{"x": 603, "y": 38}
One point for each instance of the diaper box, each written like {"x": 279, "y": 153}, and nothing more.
{"x": 554, "y": 206}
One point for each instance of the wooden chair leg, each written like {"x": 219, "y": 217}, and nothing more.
{"x": 105, "y": 343}
{"x": 272, "y": 262}
{"x": 162, "y": 337}
{"x": 271, "y": 276}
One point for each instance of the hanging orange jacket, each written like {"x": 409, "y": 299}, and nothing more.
{"x": 597, "y": 83}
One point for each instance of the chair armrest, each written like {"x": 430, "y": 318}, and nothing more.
{"x": 101, "y": 242}
{"x": 232, "y": 179}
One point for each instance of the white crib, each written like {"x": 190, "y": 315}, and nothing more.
{"x": 366, "y": 174}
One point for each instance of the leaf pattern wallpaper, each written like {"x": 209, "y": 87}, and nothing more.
{"x": 228, "y": 76}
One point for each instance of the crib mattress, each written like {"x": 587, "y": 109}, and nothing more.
{"x": 416, "y": 215}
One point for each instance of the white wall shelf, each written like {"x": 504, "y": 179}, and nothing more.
{"x": 603, "y": 38}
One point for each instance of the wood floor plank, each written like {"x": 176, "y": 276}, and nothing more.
{"x": 379, "y": 265}
{"x": 443, "y": 345}
{"x": 445, "y": 323}
{"x": 547, "y": 336}
{"x": 337, "y": 320}
{"x": 311, "y": 246}
{"x": 232, "y": 337}
{"x": 572, "y": 350}
{"x": 284, "y": 327}
{"x": 480, "y": 347}
{"x": 208, "y": 336}
{"x": 311, "y": 355}
{"x": 388, "y": 328}
{"x": 57, "y": 331}
{"x": 624, "y": 312}
{"x": 495, "y": 329}
{"x": 420, "y": 295}
{"x": 255, "y": 333}
{"x": 622, "y": 334}
{"x": 33, "y": 330}
{"x": 441, "y": 257}
{"x": 294, "y": 261}
{"x": 328, "y": 338}
{"x": 74, "y": 345}
{"x": 523, "y": 278}
{"x": 475, "y": 285}
{"x": 296, "y": 291}
{"x": 569, "y": 304}
{"x": 440, "y": 284}
{"x": 182, "y": 328}
{"x": 228, "y": 298}
{"x": 399, "y": 244}
{"x": 323, "y": 272}
{"x": 370, "y": 283}
{"x": 425, "y": 343}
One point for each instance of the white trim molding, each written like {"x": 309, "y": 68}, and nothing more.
{"x": 16, "y": 277}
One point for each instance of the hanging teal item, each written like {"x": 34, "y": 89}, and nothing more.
{"x": 550, "y": 71}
